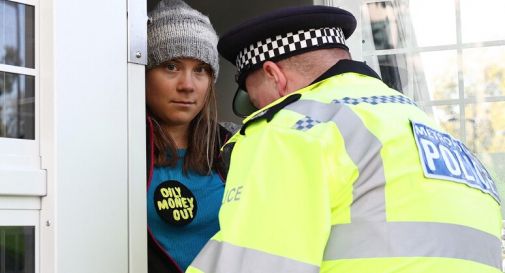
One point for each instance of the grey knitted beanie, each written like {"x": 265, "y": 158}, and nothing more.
{"x": 176, "y": 30}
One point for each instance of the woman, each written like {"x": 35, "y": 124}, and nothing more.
{"x": 185, "y": 179}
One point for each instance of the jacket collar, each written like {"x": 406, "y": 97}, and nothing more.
{"x": 345, "y": 66}
{"x": 341, "y": 67}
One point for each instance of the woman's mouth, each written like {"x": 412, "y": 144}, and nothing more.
{"x": 183, "y": 102}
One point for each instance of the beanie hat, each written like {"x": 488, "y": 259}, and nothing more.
{"x": 176, "y": 30}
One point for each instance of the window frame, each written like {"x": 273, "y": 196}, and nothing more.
{"x": 20, "y": 159}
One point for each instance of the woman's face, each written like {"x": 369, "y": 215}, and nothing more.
{"x": 177, "y": 90}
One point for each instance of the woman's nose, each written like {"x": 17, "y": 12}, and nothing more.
{"x": 185, "y": 82}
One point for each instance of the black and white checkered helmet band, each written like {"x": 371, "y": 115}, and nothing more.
{"x": 287, "y": 43}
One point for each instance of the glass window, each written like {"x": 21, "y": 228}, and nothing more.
{"x": 425, "y": 76}
{"x": 399, "y": 24}
{"x": 17, "y": 70}
{"x": 485, "y": 128}
{"x": 17, "y": 39}
{"x": 433, "y": 22}
{"x": 17, "y": 249}
{"x": 17, "y": 106}
{"x": 384, "y": 25}
{"x": 440, "y": 71}
{"x": 393, "y": 69}
{"x": 453, "y": 66}
{"x": 482, "y": 20}
{"x": 447, "y": 117}
{"x": 484, "y": 71}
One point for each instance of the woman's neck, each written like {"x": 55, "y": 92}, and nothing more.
{"x": 179, "y": 134}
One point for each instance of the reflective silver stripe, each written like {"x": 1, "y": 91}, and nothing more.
{"x": 219, "y": 257}
{"x": 363, "y": 148}
{"x": 316, "y": 110}
{"x": 412, "y": 239}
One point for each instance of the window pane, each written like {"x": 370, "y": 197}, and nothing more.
{"x": 17, "y": 249}
{"x": 383, "y": 29}
{"x": 17, "y": 106}
{"x": 485, "y": 127}
{"x": 482, "y": 20}
{"x": 429, "y": 31}
{"x": 17, "y": 39}
{"x": 484, "y": 71}
{"x": 393, "y": 69}
{"x": 423, "y": 76}
{"x": 402, "y": 23}
{"x": 447, "y": 117}
{"x": 440, "y": 71}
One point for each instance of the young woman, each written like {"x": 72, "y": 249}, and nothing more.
{"x": 185, "y": 174}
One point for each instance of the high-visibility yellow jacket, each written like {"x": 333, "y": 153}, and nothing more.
{"x": 348, "y": 175}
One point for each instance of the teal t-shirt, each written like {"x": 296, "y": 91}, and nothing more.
{"x": 182, "y": 211}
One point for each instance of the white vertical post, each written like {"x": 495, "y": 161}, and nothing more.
{"x": 137, "y": 209}
{"x": 45, "y": 61}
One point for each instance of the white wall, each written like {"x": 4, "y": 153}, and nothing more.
{"x": 88, "y": 171}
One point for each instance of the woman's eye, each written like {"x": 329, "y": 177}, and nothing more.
{"x": 201, "y": 69}
{"x": 171, "y": 67}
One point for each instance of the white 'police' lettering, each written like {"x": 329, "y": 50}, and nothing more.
{"x": 444, "y": 157}
{"x": 233, "y": 194}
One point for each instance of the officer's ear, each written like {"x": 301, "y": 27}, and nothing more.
{"x": 275, "y": 74}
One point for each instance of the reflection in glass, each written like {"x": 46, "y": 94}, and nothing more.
{"x": 423, "y": 76}
{"x": 393, "y": 69}
{"x": 482, "y": 20}
{"x": 17, "y": 249}
{"x": 403, "y": 23}
{"x": 17, "y": 39}
{"x": 440, "y": 70}
{"x": 484, "y": 71}
{"x": 384, "y": 28}
{"x": 485, "y": 128}
{"x": 17, "y": 106}
{"x": 447, "y": 117}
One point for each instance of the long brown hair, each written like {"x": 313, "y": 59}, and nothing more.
{"x": 203, "y": 141}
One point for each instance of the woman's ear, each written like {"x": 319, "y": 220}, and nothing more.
{"x": 275, "y": 74}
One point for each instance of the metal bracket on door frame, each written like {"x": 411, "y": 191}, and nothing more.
{"x": 137, "y": 31}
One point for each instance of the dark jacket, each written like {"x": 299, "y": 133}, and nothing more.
{"x": 158, "y": 260}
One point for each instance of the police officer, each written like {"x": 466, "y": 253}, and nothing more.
{"x": 337, "y": 172}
